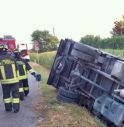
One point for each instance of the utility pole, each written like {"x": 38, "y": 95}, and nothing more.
{"x": 37, "y": 48}
{"x": 53, "y": 31}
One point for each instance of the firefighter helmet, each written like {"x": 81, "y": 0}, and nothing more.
{"x": 16, "y": 53}
{"x": 3, "y": 47}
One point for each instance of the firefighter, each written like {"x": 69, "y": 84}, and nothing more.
{"x": 22, "y": 73}
{"x": 9, "y": 80}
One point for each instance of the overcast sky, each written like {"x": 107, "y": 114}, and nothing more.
{"x": 70, "y": 18}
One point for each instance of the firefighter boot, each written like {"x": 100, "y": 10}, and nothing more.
{"x": 16, "y": 105}
{"x": 21, "y": 96}
{"x": 21, "y": 91}
{"x": 8, "y": 107}
{"x": 15, "y": 99}
{"x": 26, "y": 92}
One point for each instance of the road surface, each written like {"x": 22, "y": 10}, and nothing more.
{"x": 27, "y": 117}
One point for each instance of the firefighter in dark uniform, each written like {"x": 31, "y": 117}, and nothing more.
{"x": 22, "y": 74}
{"x": 9, "y": 80}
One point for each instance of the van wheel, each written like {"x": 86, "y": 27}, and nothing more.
{"x": 65, "y": 99}
{"x": 67, "y": 93}
{"x": 60, "y": 64}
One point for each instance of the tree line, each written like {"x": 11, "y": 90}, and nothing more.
{"x": 116, "y": 42}
{"x": 49, "y": 42}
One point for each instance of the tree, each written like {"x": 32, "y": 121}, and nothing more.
{"x": 90, "y": 40}
{"x": 47, "y": 41}
{"x": 118, "y": 28}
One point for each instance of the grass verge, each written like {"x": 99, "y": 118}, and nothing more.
{"x": 117, "y": 52}
{"x": 46, "y": 59}
{"x": 58, "y": 114}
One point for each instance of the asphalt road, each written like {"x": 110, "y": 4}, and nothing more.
{"x": 27, "y": 116}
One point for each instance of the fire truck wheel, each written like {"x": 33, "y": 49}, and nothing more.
{"x": 86, "y": 49}
{"x": 82, "y": 56}
{"x": 67, "y": 93}
{"x": 65, "y": 99}
{"x": 60, "y": 64}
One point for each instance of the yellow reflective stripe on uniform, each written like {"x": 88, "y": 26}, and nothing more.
{"x": 9, "y": 81}
{"x": 24, "y": 68}
{"x": 7, "y": 100}
{"x": 26, "y": 88}
{"x": 3, "y": 72}
{"x": 14, "y": 70}
{"x": 24, "y": 76}
{"x": 21, "y": 77}
{"x": 18, "y": 73}
{"x": 15, "y": 100}
{"x": 21, "y": 90}
{"x": 31, "y": 70}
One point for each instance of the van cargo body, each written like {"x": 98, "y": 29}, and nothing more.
{"x": 90, "y": 77}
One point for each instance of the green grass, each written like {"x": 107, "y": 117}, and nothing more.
{"x": 116, "y": 52}
{"x": 46, "y": 59}
{"x": 58, "y": 114}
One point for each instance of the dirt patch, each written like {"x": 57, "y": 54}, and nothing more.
{"x": 62, "y": 115}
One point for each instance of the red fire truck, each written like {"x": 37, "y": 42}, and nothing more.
{"x": 11, "y": 43}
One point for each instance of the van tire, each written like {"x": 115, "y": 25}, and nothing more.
{"x": 60, "y": 64}
{"x": 65, "y": 99}
{"x": 67, "y": 93}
